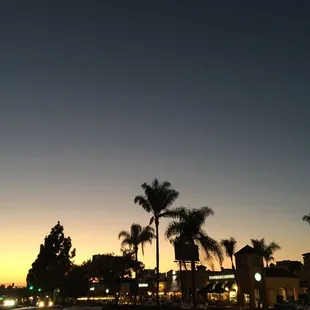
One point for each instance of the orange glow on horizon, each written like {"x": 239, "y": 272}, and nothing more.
{"x": 92, "y": 234}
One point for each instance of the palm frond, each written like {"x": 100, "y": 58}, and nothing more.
{"x": 229, "y": 246}
{"x": 174, "y": 213}
{"x": 137, "y": 236}
{"x": 143, "y": 202}
{"x": 209, "y": 246}
{"x": 164, "y": 184}
{"x": 265, "y": 250}
{"x": 273, "y": 246}
{"x": 205, "y": 211}
{"x": 158, "y": 197}
{"x": 127, "y": 243}
{"x": 171, "y": 196}
{"x": 135, "y": 231}
{"x": 259, "y": 246}
{"x": 173, "y": 229}
{"x": 146, "y": 236}
{"x": 306, "y": 218}
{"x": 124, "y": 234}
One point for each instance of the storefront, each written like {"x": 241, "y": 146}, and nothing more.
{"x": 220, "y": 287}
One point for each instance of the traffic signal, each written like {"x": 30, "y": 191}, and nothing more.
{"x": 31, "y": 287}
{"x": 39, "y": 290}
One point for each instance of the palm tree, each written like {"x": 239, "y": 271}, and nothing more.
{"x": 157, "y": 199}
{"x": 133, "y": 239}
{"x": 187, "y": 229}
{"x": 229, "y": 246}
{"x": 306, "y": 218}
{"x": 266, "y": 251}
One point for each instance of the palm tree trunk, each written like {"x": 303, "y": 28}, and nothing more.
{"x": 157, "y": 261}
{"x": 193, "y": 267}
{"x": 232, "y": 263}
{"x": 136, "y": 278}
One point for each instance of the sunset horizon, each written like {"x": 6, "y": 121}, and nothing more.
{"x": 98, "y": 98}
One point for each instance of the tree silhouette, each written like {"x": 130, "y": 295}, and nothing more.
{"x": 76, "y": 282}
{"x": 266, "y": 251}
{"x": 306, "y": 218}
{"x": 53, "y": 261}
{"x": 133, "y": 239}
{"x": 229, "y": 246}
{"x": 111, "y": 268}
{"x": 157, "y": 199}
{"x": 188, "y": 230}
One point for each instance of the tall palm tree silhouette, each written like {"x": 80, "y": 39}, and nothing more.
{"x": 266, "y": 251}
{"x": 229, "y": 246}
{"x": 187, "y": 229}
{"x": 137, "y": 236}
{"x": 157, "y": 199}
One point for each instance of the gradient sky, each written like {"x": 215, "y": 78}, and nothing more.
{"x": 98, "y": 97}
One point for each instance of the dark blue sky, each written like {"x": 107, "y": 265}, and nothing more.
{"x": 99, "y": 96}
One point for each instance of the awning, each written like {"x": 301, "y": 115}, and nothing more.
{"x": 207, "y": 289}
{"x": 218, "y": 288}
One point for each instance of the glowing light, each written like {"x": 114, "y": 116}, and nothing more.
{"x": 257, "y": 276}
{"x": 9, "y": 303}
{"x": 226, "y": 289}
{"x": 92, "y": 289}
{"x": 143, "y": 285}
{"x": 50, "y": 303}
{"x": 107, "y": 291}
{"x": 232, "y": 294}
{"x": 41, "y": 304}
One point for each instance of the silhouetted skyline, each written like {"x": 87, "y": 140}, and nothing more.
{"x": 98, "y": 97}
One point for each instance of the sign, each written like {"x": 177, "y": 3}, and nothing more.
{"x": 222, "y": 277}
{"x": 143, "y": 285}
{"x": 186, "y": 252}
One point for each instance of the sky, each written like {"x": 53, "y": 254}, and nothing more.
{"x": 98, "y": 97}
